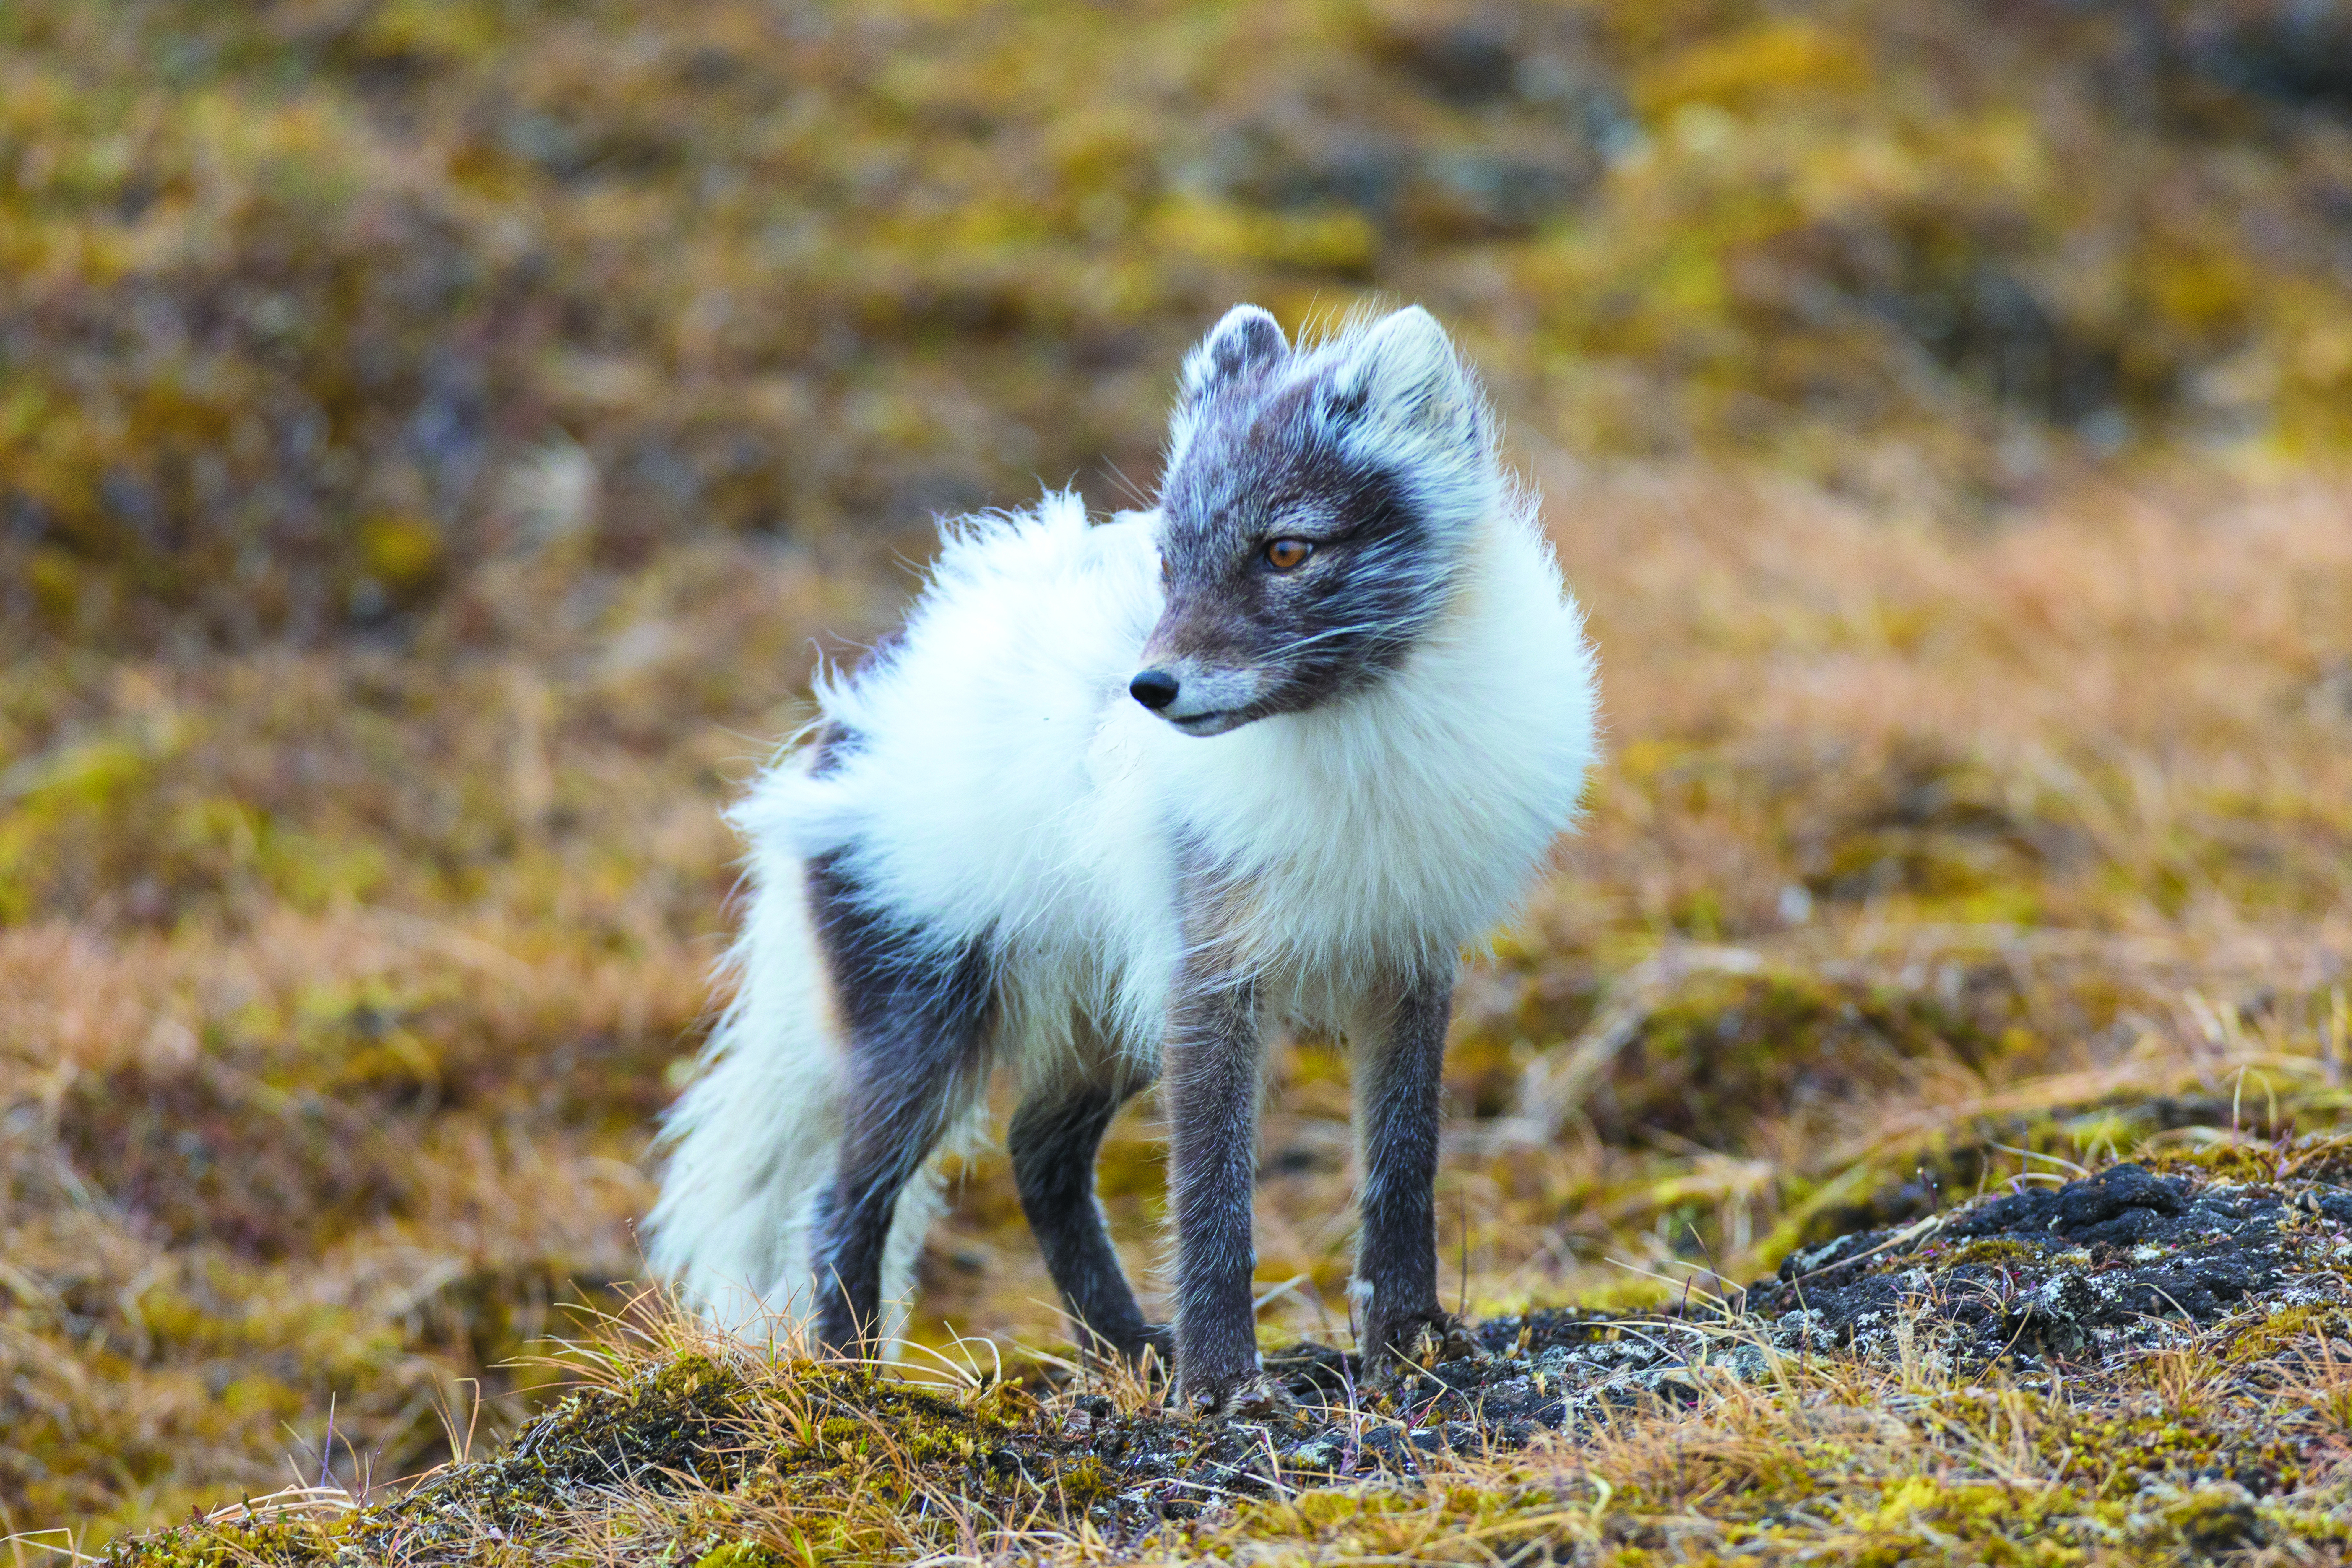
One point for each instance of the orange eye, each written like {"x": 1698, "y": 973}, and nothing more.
{"x": 1288, "y": 555}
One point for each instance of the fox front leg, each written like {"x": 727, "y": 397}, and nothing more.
{"x": 1210, "y": 1073}
{"x": 1400, "y": 1084}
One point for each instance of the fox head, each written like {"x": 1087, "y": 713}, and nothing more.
{"x": 1314, "y": 515}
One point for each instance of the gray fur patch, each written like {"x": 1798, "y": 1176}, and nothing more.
{"x": 1276, "y": 444}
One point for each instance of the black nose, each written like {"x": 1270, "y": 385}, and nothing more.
{"x": 1155, "y": 689}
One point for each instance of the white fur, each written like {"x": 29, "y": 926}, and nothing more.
{"x": 1006, "y": 785}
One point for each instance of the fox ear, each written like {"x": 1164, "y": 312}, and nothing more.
{"x": 1247, "y": 337}
{"x": 1405, "y": 375}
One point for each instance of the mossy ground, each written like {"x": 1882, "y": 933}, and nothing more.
{"x": 2014, "y": 1402}
{"x": 436, "y": 441}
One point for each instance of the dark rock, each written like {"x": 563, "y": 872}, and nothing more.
{"x": 1483, "y": 190}
{"x": 2113, "y": 1191}
{"x": 1464, "y": 63}
{"x": 2080, "y": 1269}
{"x": 2057, "y": 1319}
{"x": 2290, "y": 51}
{"x": 1813, "y": 1261}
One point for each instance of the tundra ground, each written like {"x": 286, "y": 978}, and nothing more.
{"x": 1927, "y": 865}
{"x": 436, "y": 441}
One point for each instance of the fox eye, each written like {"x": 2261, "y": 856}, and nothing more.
{"x": 1288, "y": 555}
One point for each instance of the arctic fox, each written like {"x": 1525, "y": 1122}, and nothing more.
{"x": 1119, "y": 799}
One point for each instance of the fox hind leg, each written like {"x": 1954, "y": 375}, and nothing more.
{"x": 916, "y": 1023}
{"x": 1399, "y": 1085}
{"x": 1054, "y": 1140}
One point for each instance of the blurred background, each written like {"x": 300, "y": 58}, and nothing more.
{"x": 437, "y": 439}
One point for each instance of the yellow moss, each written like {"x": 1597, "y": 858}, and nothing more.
{"x": 2288, "y": 1328}
{"x": 328, "y": 958}
{"x": 401, "y": 551}
{"x": 741, "y": 1555}
{"x": 1085, "y": 1483}
{"x": 1989, "y": 1252}
{"x": 2225, "y": 1160}
{"x": 1740, "y": 71}
{"x": 1335, "y": 241}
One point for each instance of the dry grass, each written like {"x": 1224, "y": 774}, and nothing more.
{"x": 2196, "y": 1442}
{"x": 436, "y": 441}
{"x": 286, "y": 1157}
{"x": 1830, "y": 1462}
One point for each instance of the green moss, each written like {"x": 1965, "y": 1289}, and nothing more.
{"x": 2215, "y": 1519}
{"x": 290, "y": 1542}
{"x": 2220, "y": 1161}
{"x": 1085, "y": 1483}
{"x": 742, "y": 1554}
{"x": 2283, "y": 1330}
{"x": 1988, "y": 1252}
{"x": 2326, "y": 1159}
{"x": 1726, "y": 1051}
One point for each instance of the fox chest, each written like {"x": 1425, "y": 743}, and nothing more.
{"x": 1384, "y": 876}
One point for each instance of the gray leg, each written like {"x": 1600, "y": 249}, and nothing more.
{"x": 917, "y": 1026}
{"x": 1399, "y": 1085}
{"x": 1215, "y": 1043}
{"x": 1054, "y": 1138}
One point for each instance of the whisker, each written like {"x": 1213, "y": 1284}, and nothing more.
{"x": 1126, "y": 486}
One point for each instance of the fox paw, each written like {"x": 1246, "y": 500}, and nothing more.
{"x": 1248, "y": 1396}
{"x": 1417, "y": 1342}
